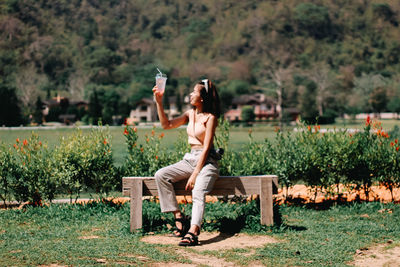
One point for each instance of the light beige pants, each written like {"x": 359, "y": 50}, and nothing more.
{"x": 181, "y": 170}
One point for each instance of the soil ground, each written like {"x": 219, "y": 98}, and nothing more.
{"x": 380, "y": 255}
{"x": 212, "y": 242}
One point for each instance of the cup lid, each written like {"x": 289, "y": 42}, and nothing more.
{"x": 159, "y": 75}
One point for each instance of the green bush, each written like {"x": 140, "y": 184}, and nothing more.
{"x": 287, "y": 158}
{"x": 84, "y": 163}
{"x": 248, "y": 114}
{"x": 29, "y": 171}
{"x": 145, "y": 159}
{"x": 31, "y": 167}
{"x": 7, "y": 173}
{"x": 325, "y": 160}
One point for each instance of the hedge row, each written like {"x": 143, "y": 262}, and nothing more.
{"x": 322, "y": 160}
{"x": 29, "y": 171}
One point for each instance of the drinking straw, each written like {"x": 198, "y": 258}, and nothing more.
{"x": 159, "y": 70}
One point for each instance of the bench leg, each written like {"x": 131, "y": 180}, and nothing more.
{"x": 136, "y": 205}
{"x": 266, "y": 202}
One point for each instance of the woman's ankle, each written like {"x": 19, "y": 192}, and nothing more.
{"x": 178, "y": 214}
{"x": 195, "y": 229}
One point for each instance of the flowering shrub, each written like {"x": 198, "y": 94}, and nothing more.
{"x": 325, "y": 160}
{"x": 29, "y": 171}
{"x": 146, "y": 159}
{"x": 31, "y": 168}
{"x": 84, "y": 162}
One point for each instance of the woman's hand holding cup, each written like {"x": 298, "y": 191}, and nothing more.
{"x": 157, "y": 95}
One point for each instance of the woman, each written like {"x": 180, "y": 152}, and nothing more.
{"x": 199, "y": 166}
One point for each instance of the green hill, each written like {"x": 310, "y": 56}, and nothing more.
{"x": 323, "y": 56}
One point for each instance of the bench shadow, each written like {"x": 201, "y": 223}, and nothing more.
{"x": 279, "y": 224}
{"x": 216, "y": 239}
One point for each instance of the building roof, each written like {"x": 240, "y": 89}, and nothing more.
{"x": 145, "y": 100}
{"x": 254, "y": 99}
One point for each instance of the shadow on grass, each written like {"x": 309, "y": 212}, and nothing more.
{"x": 280, "y": 226}
{"x": 216, "y": 239}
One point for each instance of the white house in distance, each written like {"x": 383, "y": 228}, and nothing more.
{"x": 264, "y": 108}
{"x": 146, "y": 111}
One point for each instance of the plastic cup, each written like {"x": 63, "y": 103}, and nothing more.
{"x": 161, "y": 80}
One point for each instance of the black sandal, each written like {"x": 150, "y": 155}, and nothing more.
{"x": 185, "y": 227}
{"x": 193, "y": 240}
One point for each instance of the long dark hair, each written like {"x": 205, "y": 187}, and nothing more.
{"x": 211, "y": 103}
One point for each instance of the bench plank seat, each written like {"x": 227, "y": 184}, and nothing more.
{"x": 263, "y": 185}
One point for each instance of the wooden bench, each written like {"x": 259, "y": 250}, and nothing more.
{"x": 263, "y": 185}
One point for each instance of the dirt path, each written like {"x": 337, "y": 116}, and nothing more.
{"x": 212, "y": 242}
{"x": 377, "y": 256}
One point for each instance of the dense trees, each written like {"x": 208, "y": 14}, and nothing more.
{"x": 350, "y": 50}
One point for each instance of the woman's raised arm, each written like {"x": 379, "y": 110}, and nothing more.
{"x": 165, "y": 122}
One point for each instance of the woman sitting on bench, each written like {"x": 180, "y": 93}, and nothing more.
{"x": 200, "y": 166}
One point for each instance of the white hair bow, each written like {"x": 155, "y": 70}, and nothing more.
{"x": 205, "y": 81}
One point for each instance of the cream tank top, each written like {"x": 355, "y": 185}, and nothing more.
{"x": 196, "y": 129}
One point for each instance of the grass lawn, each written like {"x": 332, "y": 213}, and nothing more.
{"x": 238, "y": 135}
{"x": 95, "y": 233}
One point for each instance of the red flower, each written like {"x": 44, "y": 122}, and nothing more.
{"x": 397, "y": 148}
{"x": 161, "y": 135}
{"x": 15, "y": 146}
{"x": 126, "y": 121}
{"x": 147, "y": 140}
{"x": 368, "y": 121}
{"x": 141, "y": 149}
{"x": 391, "y": 144}
{"x": 309, "y": 128}
{"x": 25, "y": 142}
{"x": 395, "y": 140}
{"x": 156, "y": 157}
{"x": 17, "y": 140}
{"x": 134, "y": 129}
{"x": 152, "y": 132}
{"x": 105, "y": 141}
{"x": 126, "y": 131}
{"x": 40, "y": 143}
{"x": 383, "y": 134}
